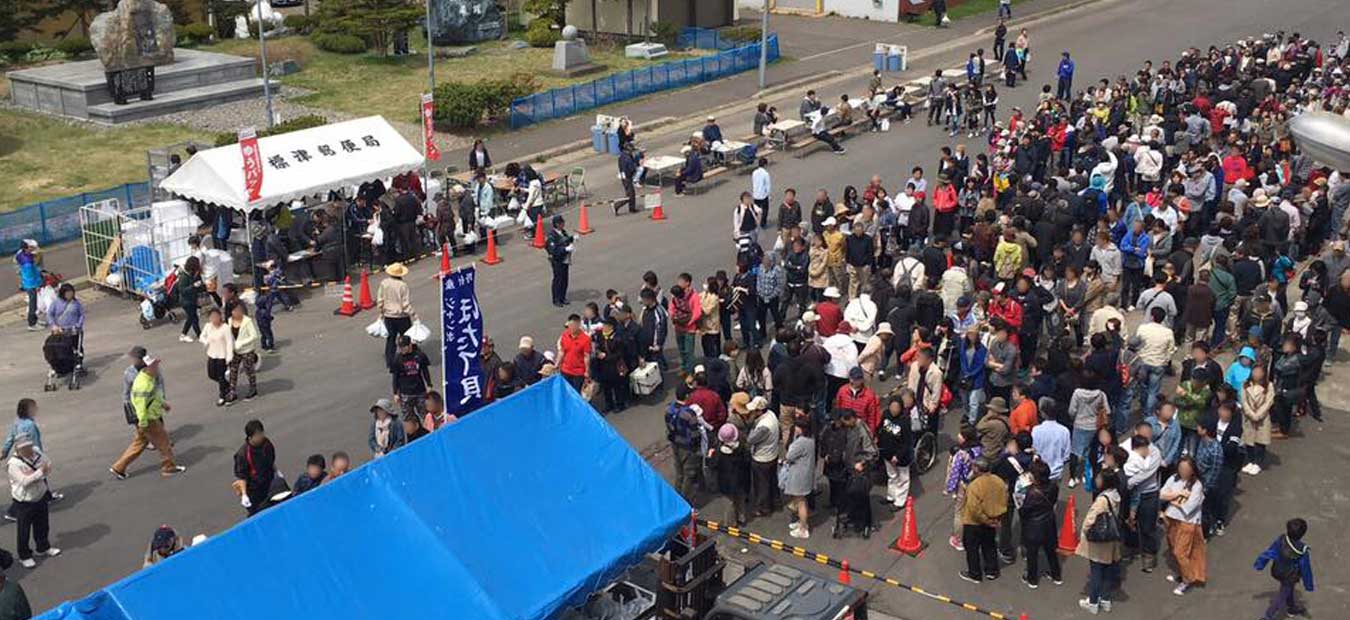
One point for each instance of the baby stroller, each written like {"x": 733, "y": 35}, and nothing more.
{"x": 157, "y": 307}
{"x": 853, "y": 511}
{"x": 62, "y": 352}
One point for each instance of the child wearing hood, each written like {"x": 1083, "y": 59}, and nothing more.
{"x": 1240, "y": 369}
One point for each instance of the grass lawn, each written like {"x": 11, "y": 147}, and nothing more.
{"x": 43, "y": 158}
{"x": 370, "y": 84}
{"x": 975, "y": 7}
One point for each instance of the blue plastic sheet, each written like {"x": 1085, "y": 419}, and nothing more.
{"x": 514, "y": 513}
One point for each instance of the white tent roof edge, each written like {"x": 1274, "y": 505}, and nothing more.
{"x": 216, "y": 176}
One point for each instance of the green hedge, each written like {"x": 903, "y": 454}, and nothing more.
{"x": 74, "y": 47}
{"x": 338, "y": 43}
{"x": 541, "y": 34}
{"x": 295, "y": 124}
{"x": 300, "y": 23}
{"x": 192, "y": 35}
{"x": 15, "y": 49}
{"x": 463, "y": 105}
{"x": 741, "y": 34}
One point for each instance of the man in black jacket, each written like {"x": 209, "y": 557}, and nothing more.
{"x": 796, "y": 262}
{"x": 411, "y": 376}
{"x": 559, "y": 247}
{"x": 1015, "y": 459}
{"x": 628, "y": 169}
{"x": 255, "y": 468}
{"x": 652, "y": 329}
{"x": 406, "y": 211}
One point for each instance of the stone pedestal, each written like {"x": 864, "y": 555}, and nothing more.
{"x": 570, "y": 59}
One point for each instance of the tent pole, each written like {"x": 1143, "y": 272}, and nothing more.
{"x": 431, "y": 88}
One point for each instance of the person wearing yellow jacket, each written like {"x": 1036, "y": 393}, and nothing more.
{"x": 1007, "y": 256}
{"x": 986, "y": 501}
{"x": 245, "y": 360}
{"x": 147, "y": 399}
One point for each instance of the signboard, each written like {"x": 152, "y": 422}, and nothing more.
{"x": 461, "y": 343}
{"x": 428, "y": 130}
{"x": 248, "y": 145}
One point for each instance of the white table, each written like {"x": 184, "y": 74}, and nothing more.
{"x": 661, "y": 164}
{"x": 778, "y": 132}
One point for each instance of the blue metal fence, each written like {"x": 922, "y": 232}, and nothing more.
{"x": 559, "y": 102}
{"x": 54, "y": 221}
{"x": 703, "y": 38}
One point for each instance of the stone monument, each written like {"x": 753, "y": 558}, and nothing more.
{"x": 131, "y": 40}
{"x": 456, "y": 22}
{"x": 570, "y": 56}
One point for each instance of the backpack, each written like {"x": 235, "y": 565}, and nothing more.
{"x": 678, "y": 430}
{"x": 1285, "y": 568}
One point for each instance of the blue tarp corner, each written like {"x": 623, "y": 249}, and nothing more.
{"x": 516, "y": 512}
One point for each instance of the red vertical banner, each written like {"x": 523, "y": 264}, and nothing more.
{"x": 428, "y": 130}
{"x": 253, "y": 172}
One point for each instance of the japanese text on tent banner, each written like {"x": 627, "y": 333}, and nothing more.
{"x": 461, "y": 342}
{"x": 253, "y": 174}
{"x": 321, "y": 152}
{"x": 428, "y": 131}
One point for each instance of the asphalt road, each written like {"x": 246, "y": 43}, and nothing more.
{"x": 316, "y": 393}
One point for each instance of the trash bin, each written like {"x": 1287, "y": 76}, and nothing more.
{"x": 598, "y": 138}
{"x": 895, "y": 58}
{"x": 879, "y": 57}
{"x": 612, "y": 139}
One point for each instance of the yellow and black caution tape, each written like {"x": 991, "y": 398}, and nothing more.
{"x": 820, "y": 558}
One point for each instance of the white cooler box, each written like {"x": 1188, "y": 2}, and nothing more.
{"x": 645, "y": 379}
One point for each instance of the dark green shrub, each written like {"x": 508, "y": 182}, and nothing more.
{"x": 665, "y": 33}
{"x": 459, "y": 105}
{"x": 338, "y": 43}
{"x": 192, "y": 35}
{"x": 295, "y": 124}
{"x": 298, "y": 23}
{"x": 541, "y": 34}
{"x": 15, "y": 50}
{"x": 740, "y": 34}
{"x": 74, "y": 47}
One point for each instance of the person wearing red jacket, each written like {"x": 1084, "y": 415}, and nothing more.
{"x": 944, "y": 207}
{"x": 1235, "y": 167}
{"x": 1005, "y": 308}
{"x": 685, "y": 312}
{"x": 860, "y": 399}
{"x": 708, "y": 402}
{"x": 829, "y": 313}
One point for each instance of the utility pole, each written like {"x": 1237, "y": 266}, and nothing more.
{"x": 431, "y": 88}
{"x": 763, "y": 42}
{"x": 267, "y": 84}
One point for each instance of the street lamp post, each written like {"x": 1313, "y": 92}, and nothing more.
{"x": 763, "y": 43}
{"x": 267, "y": 83}
{"x": 431, "y": 88}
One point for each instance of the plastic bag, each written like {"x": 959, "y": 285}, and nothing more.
{"x": 885, "y": 124}
{"x": 147, "y": 310}
{"x": 377, "y": 329}
{"x": 419, "y": 332}
{"x": 46, "y": 295}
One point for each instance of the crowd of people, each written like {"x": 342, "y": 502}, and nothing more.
{"x": 986, "y": 301}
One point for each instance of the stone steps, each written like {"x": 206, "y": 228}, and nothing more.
{"x": 176, "y": 101}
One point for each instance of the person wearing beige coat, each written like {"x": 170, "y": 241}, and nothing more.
{"x": 1257, "y": 398}
{"x": 1103, "y": 557}
{"x": 219, "y": 352}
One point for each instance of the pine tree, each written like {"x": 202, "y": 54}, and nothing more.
{"x": 376, "y": 21}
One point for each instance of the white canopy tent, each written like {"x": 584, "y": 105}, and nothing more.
{"x": 298, "y": 164}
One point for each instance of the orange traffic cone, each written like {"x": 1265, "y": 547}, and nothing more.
{"x": 909, "y": 542}
{"x": 445, "y": 259}
{"x": 584, "y": 225}
{"x": 845, "y": 577}
{"x": 366, "y": 302}
{"x": 492, "y": 258}
{"x": 539, "y": 234}
{"x": 658, "y": 213}
{"x": 347, "y": 308}
{"x": 1068, "y": 535}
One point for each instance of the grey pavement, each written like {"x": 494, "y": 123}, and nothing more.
{"x": 315, "y": 394}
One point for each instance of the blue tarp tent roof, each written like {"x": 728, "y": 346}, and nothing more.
{"x": 514, "y": 513}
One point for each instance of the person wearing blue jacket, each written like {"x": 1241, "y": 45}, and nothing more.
{"x": 30, "y": 277}
{"x": 1133, "y": 252}
{"x": 1166, "y": 436}
{"x": 1064, "y": 90}
{"x": 1290, "y": 562}
{"x": 974, "y": 356}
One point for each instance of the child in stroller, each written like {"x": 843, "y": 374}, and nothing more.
{"x": 62, "y": 352}
{"x": 157, "y": 307}
{"x": 850, "y": 454}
